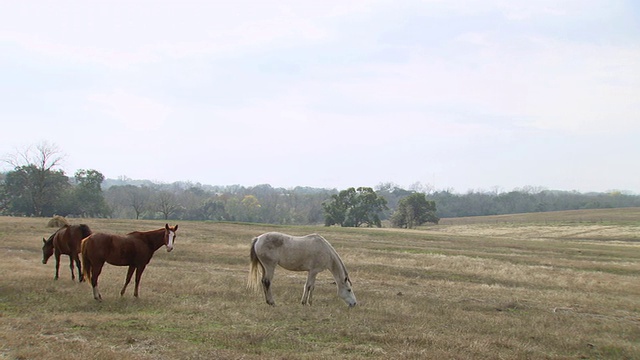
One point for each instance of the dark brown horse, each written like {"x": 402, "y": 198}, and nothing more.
{"x": 133, "y": 250}
{"x": 66, "y": 241}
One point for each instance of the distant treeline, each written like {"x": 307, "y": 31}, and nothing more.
{"x": 451, "y": 205}
{"x": 37, "y": 187}
{"x": 303, "y": 205}
{"x": 30, "y": 191}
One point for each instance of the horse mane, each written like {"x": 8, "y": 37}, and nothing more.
{"x": 149, "y": 238}
{"x": 84, "y": 231}
{"x": 143, "y": 233}
{"x": 336, "y": 255}
{"x": 49, "y": 241}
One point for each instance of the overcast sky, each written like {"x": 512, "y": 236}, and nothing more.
{"x": 458, "y": 95}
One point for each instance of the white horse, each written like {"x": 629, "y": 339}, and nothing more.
{"x": 310, "y": 253}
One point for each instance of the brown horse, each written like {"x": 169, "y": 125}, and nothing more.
{"x": 133, "y": 250}
{"x": 66, "y": 241}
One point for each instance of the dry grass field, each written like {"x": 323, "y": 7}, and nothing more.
{"x": 561, "y": 287}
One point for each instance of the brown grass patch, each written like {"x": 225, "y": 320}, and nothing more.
{"x": 464, "y": 291}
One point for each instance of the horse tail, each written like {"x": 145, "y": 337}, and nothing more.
{"x": 254, "y": 273}
{"x": 86, "y": 263}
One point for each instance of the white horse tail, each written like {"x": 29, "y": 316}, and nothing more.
{"x": 254, "y": 273}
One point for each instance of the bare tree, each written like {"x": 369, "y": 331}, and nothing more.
{"x": 166, "y": 203}
{"x": 44, "y": 156}
{"x": 139, "y": 199}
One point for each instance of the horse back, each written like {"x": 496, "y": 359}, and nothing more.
{"x": 116, "y": 249}
{"x": 296, "y": 253}
{"x": 68, "y": 238}
{"x": 61, "y": 241}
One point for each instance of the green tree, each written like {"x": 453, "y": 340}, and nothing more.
{"x": 414, "y": 210}
{"x": 35, "y": 185}
{"x": 213, "y": 209}
{"x": 335, "y": 209}
{"x": 4, "y": 198}
{"x": 88, "y": 196}
{"x": 250, "y": 208}
{"x": 354, "y": 207}
{"x": 33, "y": 192}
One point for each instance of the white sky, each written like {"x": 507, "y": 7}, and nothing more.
{"x": 461, "y": 95}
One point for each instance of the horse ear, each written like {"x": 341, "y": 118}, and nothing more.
{"x": 166, "y": 226}
{"x": 175, "y": 228}
{"x": 44, "y": 241}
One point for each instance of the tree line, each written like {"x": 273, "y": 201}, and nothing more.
{"x": 37, "y": 187}
{"x": 526, "y": 200}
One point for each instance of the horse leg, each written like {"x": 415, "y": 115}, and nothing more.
{"x": 139, "y": 271}
{"x": 57, "y": 255}
{"x": 73, "y": 276}
{"x": 79, "y": 266}
{"x": 126, "y": 282}
{"x": 95, "y": 273}
{"x": 267, "y": 276}
{"x": 308, "y": 288}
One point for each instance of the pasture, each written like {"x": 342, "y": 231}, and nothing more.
{"x": 555, "y": 288}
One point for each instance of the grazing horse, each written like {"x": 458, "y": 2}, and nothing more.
{"x": 133, "y": 250}
{"x": 66, "y": 241}
{"x": 310, "y": 253}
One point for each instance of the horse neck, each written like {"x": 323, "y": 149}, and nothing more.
{"x": 50, "y": 239}
{"x": 58, "y": 234}
{"x": 63, "y": 227}
{"x": 337, "y": 268}
{"x": 154, "y": 238}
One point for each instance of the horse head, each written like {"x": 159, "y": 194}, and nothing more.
{"x": 346, "y": 292}
{"x": 169, "y": 236}
{"x": 47, "y": 250}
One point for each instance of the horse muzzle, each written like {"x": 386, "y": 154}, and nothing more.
{"x": 169, "y": 249}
